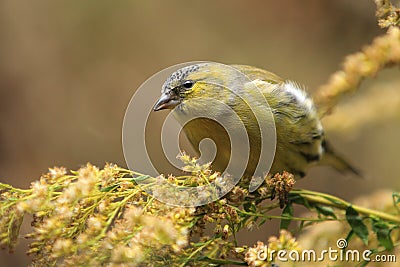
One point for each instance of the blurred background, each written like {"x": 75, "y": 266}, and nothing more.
{"x": 69, "y": 68}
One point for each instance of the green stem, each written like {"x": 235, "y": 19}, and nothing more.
{"x": 9, "y": 187}
{"x": 196, "y": 251}
{"x": 279, "y": 216}
{"x": 329, "y": 200}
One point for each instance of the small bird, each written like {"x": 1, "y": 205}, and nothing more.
{"x": 300, "y": 139}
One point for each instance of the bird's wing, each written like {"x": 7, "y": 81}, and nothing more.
{"x": 259, "y": 74}
{"x": 293, "y": 108}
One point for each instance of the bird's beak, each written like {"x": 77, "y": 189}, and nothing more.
{"x": 166, "y": 101}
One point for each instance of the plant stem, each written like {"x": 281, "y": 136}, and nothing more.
{"x": 190, "y": 257}
{"x": 329, "y": 200}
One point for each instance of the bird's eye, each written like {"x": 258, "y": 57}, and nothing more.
{"x": 188, "y": 84}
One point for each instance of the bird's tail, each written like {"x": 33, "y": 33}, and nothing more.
{"x": 331, "y": 158}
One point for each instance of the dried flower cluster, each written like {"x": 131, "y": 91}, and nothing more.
{"x": 93, "y": 217}
{"x": 280, "y": 185}
{"x": 97, "y": 216}
{"x": 264, "y": 255}
{"x": 383, "y": 52}
{"x": 199, "y": 187}
{"x": 387, "y": 13}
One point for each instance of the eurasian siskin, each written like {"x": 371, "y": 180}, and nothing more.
{"x": 300, "y": 140}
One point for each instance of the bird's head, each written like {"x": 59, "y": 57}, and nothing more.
{"x": 193, "y": 84}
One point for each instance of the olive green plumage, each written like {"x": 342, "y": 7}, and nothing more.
{"x": 300, "y": 140}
